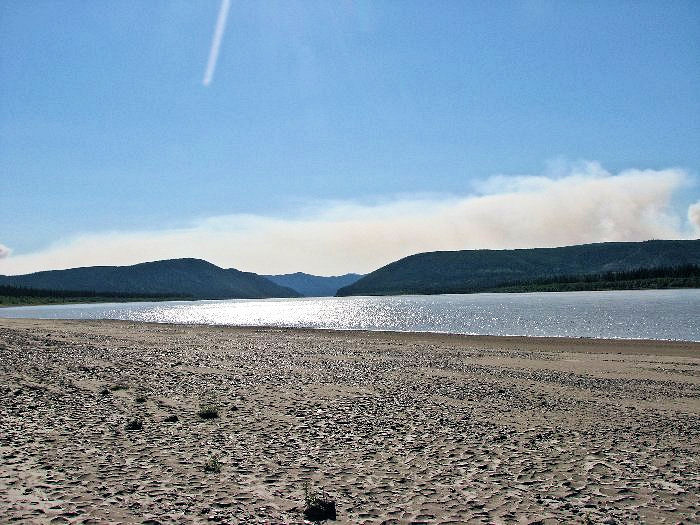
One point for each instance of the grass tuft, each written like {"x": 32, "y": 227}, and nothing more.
{"x": 318, "y": 507}
{"x": 212, "y": 466}
{"x": 134, "y": 424}
{"x": 208, "y": 411}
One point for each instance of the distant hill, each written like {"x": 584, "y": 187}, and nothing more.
{"x": 468, "y": 271}
{"x": 193, "y": 278}
{"x": 314, "y": 285}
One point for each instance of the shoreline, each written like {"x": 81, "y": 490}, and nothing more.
{"x": 485, "y": 292}
{"x": 546, "y": 343}
{"x": 396, "y": 427}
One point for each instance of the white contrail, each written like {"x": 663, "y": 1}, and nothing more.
{"x": 216, "y": 41}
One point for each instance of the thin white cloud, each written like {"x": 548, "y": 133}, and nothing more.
{"x": 4, "y": 251}
{"x": 587, "y": 204}
{"x": 216, "y": 42}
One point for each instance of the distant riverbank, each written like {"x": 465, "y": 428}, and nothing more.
{"x": 687, "y": 276}
{"x": 9, "y": 301}
{"x": 25, "y": 296}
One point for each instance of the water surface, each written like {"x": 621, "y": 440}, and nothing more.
{"x": 636, "y": 314}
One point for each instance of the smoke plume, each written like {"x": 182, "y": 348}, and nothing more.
{"x": 584, "y": 205}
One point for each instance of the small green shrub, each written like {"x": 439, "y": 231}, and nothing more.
{"x": 134, "y": 424}
{"x": 318, "y": 507}
{"x": 208, "y": 411}
{"x": 118, "y": 386}
{"x": 212, "y": 466}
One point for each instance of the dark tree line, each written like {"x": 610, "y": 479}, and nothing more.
{"x": 22, "y": 291}
{"x": 683, "y": 276}
{"x": 683, "y": 271}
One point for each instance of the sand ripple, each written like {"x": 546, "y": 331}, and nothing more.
{"x": 396, "y": 428}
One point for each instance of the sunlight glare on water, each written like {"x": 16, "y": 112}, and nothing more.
{"x": 648, "y": 314}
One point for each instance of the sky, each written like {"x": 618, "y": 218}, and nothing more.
{"x": 334, "y": 137}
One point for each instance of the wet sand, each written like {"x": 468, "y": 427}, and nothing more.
{"x": 396, "y": 428}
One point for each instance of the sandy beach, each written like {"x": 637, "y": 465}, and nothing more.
{"x": 396, "y": 428}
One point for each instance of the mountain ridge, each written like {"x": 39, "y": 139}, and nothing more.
{"x": 196, "y": 278}
{"x": 465, "y": 271}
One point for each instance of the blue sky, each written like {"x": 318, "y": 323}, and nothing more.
{"x": 107, "y": 129}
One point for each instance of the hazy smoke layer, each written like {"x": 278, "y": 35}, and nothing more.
{"x": 694, "y": 216}
{"x": 581, "y": 206}
{"x": 4, "y": 251}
